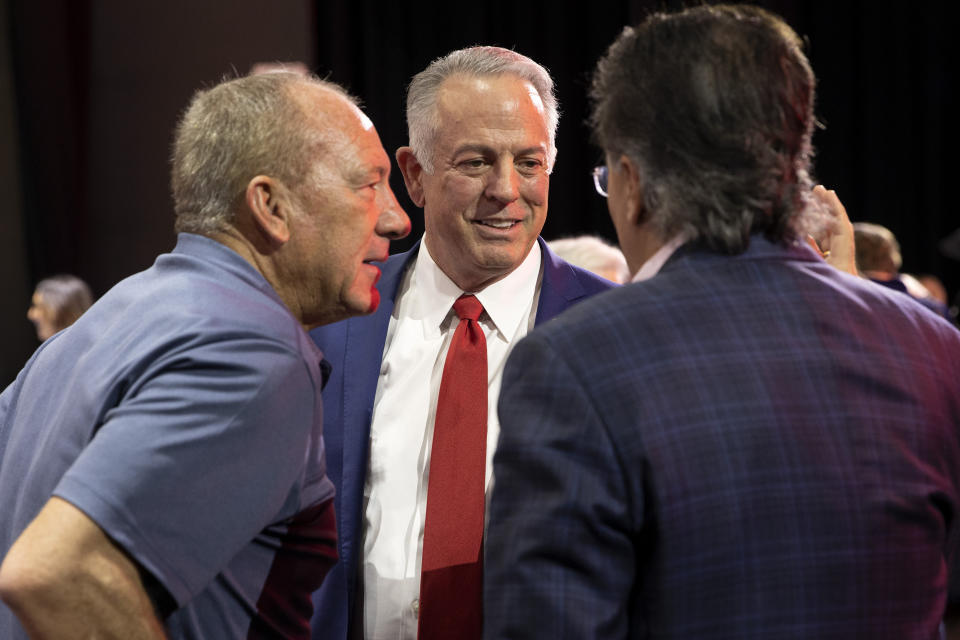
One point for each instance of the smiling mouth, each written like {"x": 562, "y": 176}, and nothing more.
{"x": 497, "y": 224}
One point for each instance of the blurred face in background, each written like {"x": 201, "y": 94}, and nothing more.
{"x": 42, "y": 317}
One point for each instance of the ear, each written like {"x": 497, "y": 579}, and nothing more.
{"x": 412, "y": 172}
{"x": 632, "y": 186}
{"x": 269, "y": 208}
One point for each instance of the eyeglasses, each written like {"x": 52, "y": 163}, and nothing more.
{"x": 600, "y": 175}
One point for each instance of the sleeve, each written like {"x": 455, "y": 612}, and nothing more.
{"x": 6, "y": 403}
{"x": 560, "y": 560}
{"x": 198, "y": 457}
{"x": 9, "y": 397}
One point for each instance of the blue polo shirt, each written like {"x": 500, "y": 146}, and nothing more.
{"x": 182, "y": 413}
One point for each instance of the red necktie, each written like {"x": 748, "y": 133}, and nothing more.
{"x": 451, "y": 574}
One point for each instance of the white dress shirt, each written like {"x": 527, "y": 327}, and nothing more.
{"x": 653, "y": 264}
{"x": 401, "y": 431}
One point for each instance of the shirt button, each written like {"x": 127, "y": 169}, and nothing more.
{"x": 415, "y": 606}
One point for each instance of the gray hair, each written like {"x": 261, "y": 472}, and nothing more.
{"x": 715, "y": 105}
{"x": 67, "y": 297}
{"x": 422, "y": 119}
{"x": 231, "y": 133}
{"x": 593, "y": 254}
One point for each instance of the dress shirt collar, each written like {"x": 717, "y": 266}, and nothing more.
{"x": 436, "y": 293}
{"x": 654, "y": 263}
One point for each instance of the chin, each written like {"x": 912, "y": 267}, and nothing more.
{"x": 363, "y": 303}
{"x": 502, "y": 259}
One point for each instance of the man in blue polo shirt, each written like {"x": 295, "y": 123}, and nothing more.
{"x": 161, "y": 462}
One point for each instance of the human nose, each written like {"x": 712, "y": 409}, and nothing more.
{"x": 393, "y": 222}
{"x": 503, "y": 182}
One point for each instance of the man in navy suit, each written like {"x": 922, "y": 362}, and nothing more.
{"x": 750, "y": 443}
{"x": 482, "y": 123}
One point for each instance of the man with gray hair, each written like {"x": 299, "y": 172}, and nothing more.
{"x": 411, "y": 420}
{"x": 161, "y": 463}
{"x": 748, "y": 443}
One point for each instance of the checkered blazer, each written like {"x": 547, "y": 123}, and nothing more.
{"x": 752, "y": 446}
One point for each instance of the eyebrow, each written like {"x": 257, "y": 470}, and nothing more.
{"x": 484, "y": 149}
{"x": 365, "y": 174}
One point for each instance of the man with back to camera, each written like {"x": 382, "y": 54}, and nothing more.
{"x": 482, "y": 125}
{"x": 748, "y": 444}
{"x": 161, "y": 462}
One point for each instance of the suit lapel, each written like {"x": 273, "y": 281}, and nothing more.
{"x": 363, "y": 351}
{"x": 560, "y": 287}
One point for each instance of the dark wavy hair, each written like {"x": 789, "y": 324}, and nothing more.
{"x": 715, "y": 105}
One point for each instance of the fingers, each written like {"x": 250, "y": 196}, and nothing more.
{"x": 836, "y": 241}
{"x": 830, "y": 203}
{"x": 813, "y": 243}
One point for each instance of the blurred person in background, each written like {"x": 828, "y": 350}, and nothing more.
{"x": 57, "y": 303}
{"x": 934, "y": 287}
{"x": 879, "y": 259}
{"x": 593, "y": 254}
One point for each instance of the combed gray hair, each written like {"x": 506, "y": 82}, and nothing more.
{"x": 231, "y": 133}
{"x": 715, "y": 105}
{"x": 422, "y": 118}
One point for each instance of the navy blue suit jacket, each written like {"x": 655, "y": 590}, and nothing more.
{"x": 755, "y": 446}
{"x": 355, "y": 347}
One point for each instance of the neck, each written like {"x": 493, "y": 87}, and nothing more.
{"x": 261, "y": 261}
{"x": 639, "y": 246}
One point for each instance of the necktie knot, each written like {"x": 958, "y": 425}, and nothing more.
{"x": 468, "y": 307}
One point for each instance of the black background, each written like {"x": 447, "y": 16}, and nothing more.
{"x": 90, "y": 91}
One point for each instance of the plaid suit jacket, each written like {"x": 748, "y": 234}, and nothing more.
{"x": 751, "y": 446}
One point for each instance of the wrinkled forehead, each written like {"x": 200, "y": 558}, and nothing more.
{"x": 468, "y": 105}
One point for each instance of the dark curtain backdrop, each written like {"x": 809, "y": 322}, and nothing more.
{"x": 90, "y": 91}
